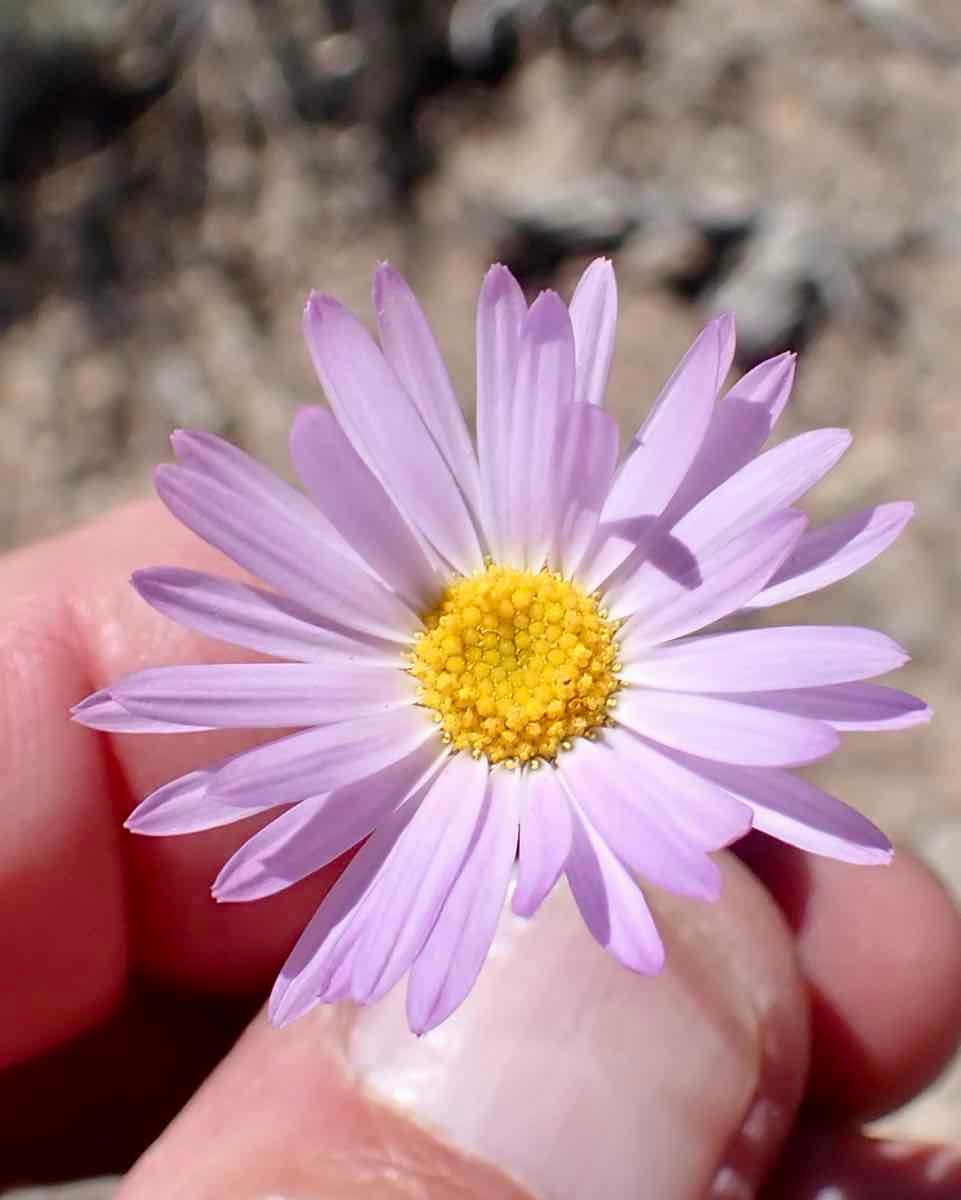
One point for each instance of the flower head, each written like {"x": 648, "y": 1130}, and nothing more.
{"x": 497, "y": 655}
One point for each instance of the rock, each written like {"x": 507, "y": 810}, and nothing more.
{"x": 88, "y": 1189}
{"x": 940, "y": 845}
{"x": 74, "y": 77}
{"x": 589, "y": 215}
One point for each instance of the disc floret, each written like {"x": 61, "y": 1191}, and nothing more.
{"x": 514, "y": 664}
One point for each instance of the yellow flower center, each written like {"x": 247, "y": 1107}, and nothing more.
{"x": 514, "y": 664}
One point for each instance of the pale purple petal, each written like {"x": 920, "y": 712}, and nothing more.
{"x": 101, "y": 711}
{"x": 609, "y": 900}
{"x": 417, "y": 881}
{"x": 848, "y": 706}
{"x": 767, "y": 485}
{"x": 545, "y": 838}
{"x": 283, "y": 852}
{"x": 184, "y": 806}
{"x": 321, "y": 958}
{"x": 447, "y": 967}
{"x": 410, "y": 859}
{"x": 761, "y": 660}
{"x": 636, "y": 832}
{"x": 264, "y": 695}
{"x": 323, "y": 759}
{"x": 274, "y": 546}
{"x": 741, "y": 424}
{"x": 411, "y": 349}
{"x": 355, "y": 503}
{"x": 338, "y": 985}
{"x": 662, "y": 606}
{"x": 319, "y": 829}
{"x": 584, "y": 461}
{"x": 662, "y": 451}
{"x": 834, "y": 551}
{"x": 218, "y": 459}
{"x": 247, "y": 616}
{"x": 665, "y": 445}
{"x": 501, "y": 312}
{"x": 594, "y": 319}
{"x": 703, "y": 812}
{"x": 795, "y": 811}
{"x": 721, "y": 729}
{"x": 543, "y": 387}
{"x": 387, "y": 431}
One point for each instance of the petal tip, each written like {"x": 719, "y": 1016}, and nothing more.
{"x": 498, "y": 282}
{"x": 138, "y": 821}
{"x": 180, "y": 443}
{"x": 83, "y": 712}
{"x": 548, "y": 318}
{"x": 386, "y": 274}
{"x": 184, "y": 441}
{"x": 725, "y": 325}
{"x": 165, "y": 476}
{"x": 783, "y": 364}
{"x": 143, "y": 580}
{"x": 317, "y": 306}
{"x": 858, "y": 855}
{"x": 282, "y": 1010}
{"x": 657, "y": 959}
{"x": 900, "y": 512}
{"x": 521, "y": 906}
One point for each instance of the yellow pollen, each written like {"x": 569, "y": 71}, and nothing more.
{"x": 514, "y": 664}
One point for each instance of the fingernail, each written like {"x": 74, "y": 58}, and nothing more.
{"x": 573, "y": 1075}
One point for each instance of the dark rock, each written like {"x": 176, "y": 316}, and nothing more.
{"x": 61, "y": 97}
{"x": 591, "y": 215}
{"x": 88, "y": 1189}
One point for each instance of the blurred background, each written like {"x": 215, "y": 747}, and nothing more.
{"x": 175, "y": 175}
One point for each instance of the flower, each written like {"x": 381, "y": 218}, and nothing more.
{"x": 495, "y": 655}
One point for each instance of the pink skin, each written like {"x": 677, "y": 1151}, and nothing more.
{"x": 104, "y": 919}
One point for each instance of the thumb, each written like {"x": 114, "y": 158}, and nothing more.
{"x": 563, "y": 1075}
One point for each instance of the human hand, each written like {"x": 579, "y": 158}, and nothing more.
{"x": 123, "y": 983}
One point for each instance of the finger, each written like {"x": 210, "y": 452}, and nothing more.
{"x": 824, "y": 1162}
{"x": 563, "y": 1072}
{"x": 69, "y": 622}
{"x": 90, "y": 1107}
{"x": 881, "y": 951}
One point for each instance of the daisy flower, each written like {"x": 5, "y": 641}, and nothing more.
{"x": 495, "y": 654}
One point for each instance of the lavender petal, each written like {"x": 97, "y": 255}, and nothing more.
{"x": 720, "y": 729}
{"x": 263, "y": 695}
{"x": 834, "y": 551}
{"x": 386, "y": 430}
{"x": 501, "y": 312}
{"x": 594, "y": 319}
{"x": 774, "y": 659}
{"x": 411, "y": 349}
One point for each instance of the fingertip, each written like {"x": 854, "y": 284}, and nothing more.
{"x": 609, "y": 1072}
{"x": 880, "y": 948}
